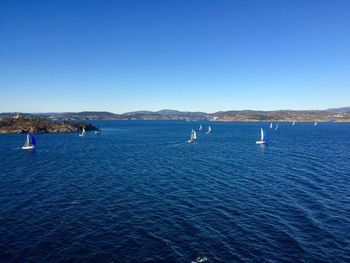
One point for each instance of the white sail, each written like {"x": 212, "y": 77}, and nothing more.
{"x": 263, "y": 137}
{"x": 276, "y": 127}
{"x": 200, "y": 127}
{"x": 209, "y": 130}
{"x": 27, "y": 143}
{"x": 82, "y": 132}
{"x": 271, "y": 125}
{"x": 293, "y": 123}
{"x": 315, "y": 123}
{"x": 193, "y": 135}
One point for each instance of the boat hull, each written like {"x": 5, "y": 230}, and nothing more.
{"x": 28, "y": 147}
{"x": 261, "y": 142}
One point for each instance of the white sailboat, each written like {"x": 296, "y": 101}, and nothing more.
{"x": 209, "y": 130}
{"x": 82, "y": 133}
{"x": 29, "y": 143}
{"x": 263, "y": 137}
{"x": 293, "y": 123}
{"x": 276, "y": 127}
{"x": 193, "y": 136}
{"x": 200, "y": 127}
{"x": 271, "y": 125}
{"x": 315, "y": 124}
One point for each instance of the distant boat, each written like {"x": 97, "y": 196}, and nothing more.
{"x": 98, "y": 131}
{"x": 193, "y": 136}
{"x": 83, "y": 132}
{"x": 271, "y": 125}
{"x": 315, "y": 124}
{"x": 263, "y": 137}
{"x": 293, "y": 123}
{"x": 200, "y": 127}
{"x": 276, "y": 127}
{"x": 209, "y": 130}
{"x": 29, "y": 143}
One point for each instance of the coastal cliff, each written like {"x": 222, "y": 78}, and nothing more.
{"x": 39, "y": 125}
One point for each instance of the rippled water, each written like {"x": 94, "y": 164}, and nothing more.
{"x": 139, "y": 193}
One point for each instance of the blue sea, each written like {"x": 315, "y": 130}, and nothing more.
{"x": 140, "y": 193}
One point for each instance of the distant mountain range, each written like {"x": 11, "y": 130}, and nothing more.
{"x": 334, "y": 114}
{"x": 340, "y": 110}
{"x": 166, "y": 113}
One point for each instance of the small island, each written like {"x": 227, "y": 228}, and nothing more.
{"x": 41, "y": 125}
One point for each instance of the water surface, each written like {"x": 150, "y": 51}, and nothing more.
{"x": 139, "y": 193}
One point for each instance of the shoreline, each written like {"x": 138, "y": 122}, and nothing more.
{"x": 43, "y": 126}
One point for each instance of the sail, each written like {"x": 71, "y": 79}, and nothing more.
{"x": 271, "y": 125}
{"x": 32, "y": 139}
{"x": 27, "y": 143}
{"x": 276, "y": 127}
{"x": 209, "y": 130}
{"x": 83, "y": 130}
{"x": 193, "y": 135}
{"x": 261, "y": 134}
{"x": 265, "y": 138}
{"x": 200, "y": 127}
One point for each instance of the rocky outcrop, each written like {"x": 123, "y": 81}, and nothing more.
{"x": 39, "y": 125}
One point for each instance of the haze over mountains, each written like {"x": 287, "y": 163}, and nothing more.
{"x": 334, "y": 114}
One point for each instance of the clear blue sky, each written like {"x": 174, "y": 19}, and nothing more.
{"x": 119, "y": 56}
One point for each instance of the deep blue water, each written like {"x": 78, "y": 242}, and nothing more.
{"x": 139, "y": 193}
